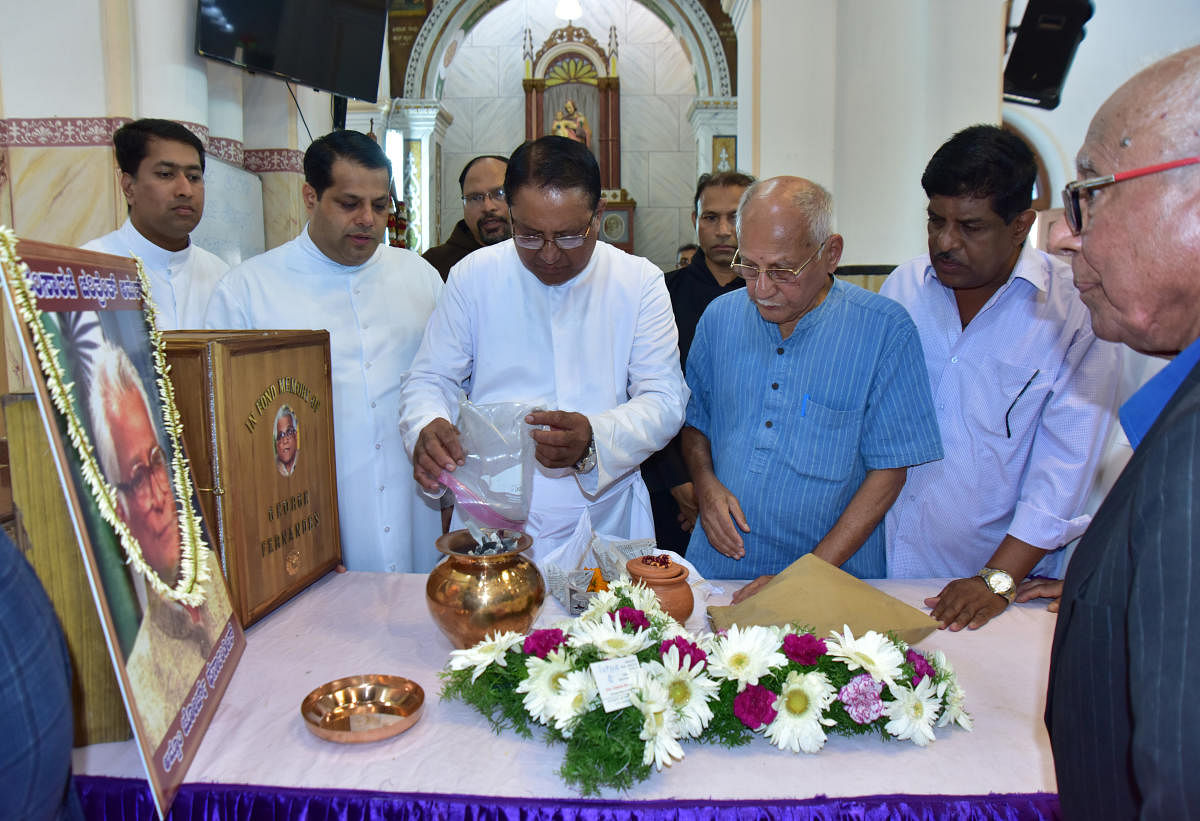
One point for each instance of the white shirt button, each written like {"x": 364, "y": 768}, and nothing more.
{"x": 378, "y": 445}
{"x": 952, "y": 359}
{"x": 387, "y": 530}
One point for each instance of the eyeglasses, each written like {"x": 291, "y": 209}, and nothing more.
{"x": 1072, "y": 201}
{"x": 290, "y": 433}
{"x": 495, "y": 195}
{"x": 534, "y": 242}
{"x": 145, "y": 474}
{"x": 782, "y": 276}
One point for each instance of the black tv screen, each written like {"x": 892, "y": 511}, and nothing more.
{"x": 331, "y": 45}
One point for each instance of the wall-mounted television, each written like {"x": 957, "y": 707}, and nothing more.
{"x": 330, "y": 45}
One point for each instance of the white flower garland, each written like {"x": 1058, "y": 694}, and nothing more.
{"x": 190, "y": 589}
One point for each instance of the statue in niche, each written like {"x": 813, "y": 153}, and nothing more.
{"x": 569, "y": 122}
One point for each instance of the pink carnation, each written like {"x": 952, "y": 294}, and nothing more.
{"x": 687, "y": 650}
{"x": 921, "y": 667}
{"x": 632, "y": 617}
{"x": 804, "y": 648}
{"x": 755, "y": 706}
{"x": 542, "y": 642}
{"x": 861, "y": 697}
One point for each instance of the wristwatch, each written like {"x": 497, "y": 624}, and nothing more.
{"x": 589, "y": 457}
{"x": 999, "y": 582}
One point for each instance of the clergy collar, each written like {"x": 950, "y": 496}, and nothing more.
{"x": 154, "y": 257}
{"x": 314, "y": 254}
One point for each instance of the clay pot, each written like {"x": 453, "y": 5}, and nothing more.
{"x": 669, "y": 584}
{"x": 471, "y": 597}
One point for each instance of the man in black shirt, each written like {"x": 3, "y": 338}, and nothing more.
{"x": 672, "y": 498}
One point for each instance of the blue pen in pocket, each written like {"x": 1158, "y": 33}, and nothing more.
{"x": 804, "y": 406}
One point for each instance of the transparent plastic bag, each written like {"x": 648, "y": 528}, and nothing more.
{"x": 494, "y": 486}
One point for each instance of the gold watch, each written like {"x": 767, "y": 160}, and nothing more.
{"x": 999, "y": 582}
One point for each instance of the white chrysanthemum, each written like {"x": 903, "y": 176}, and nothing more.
{"x": 660, "y": 730}
{"x": 577, "y": 694}
{"x": 607, "y": 636}
{"x": 483, "y": 655}
{"x": 913, "y": 712}
{"x": 602, "y": 603}
{"x": 543, "y": 684}
{"x": 952, "y": 695}
{"x": 871, "y": 651}
{"x": 799, "y": 713}
{"x": 688, "y": 690}
{"x": 642, "y": 597}
{"x": 745, "y": 656}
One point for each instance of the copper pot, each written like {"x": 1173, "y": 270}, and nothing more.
{"x": 474, "y": 596}
{"x": 669, "y": 583}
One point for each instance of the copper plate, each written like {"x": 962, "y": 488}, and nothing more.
{"x": 363, "y": 708}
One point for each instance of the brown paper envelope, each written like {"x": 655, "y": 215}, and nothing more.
{"x": 810, "y": 591}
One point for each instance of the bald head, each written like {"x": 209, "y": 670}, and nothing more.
{"x": 1137, "y": 260}
{"x": 792, "y": 200}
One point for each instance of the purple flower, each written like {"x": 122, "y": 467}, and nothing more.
{"x": 861, "y": 697}
{"x": 755, "y": 706}
{"x": 542, "y": 642}
{"x": 921, "y": 667}
{"x": 687, "y": 650}
{"x": 804, "y": 648}
{"x": 632, "y": 617}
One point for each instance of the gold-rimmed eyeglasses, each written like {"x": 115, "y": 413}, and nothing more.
{"x": 782, "y": 276}
{"x": 535, "y": 242}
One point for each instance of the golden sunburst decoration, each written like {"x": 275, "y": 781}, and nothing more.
{"x": 571, "y": 70}
{"x": 189, "y": 590}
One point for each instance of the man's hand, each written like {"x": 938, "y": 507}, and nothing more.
{"x": 1031, "y": 589}
{"x": 565, "y": 443}
{"x": 437, "y": 449}
{"x": 750, "y": 589}
{"x": 966, "y": 603}
{"x": 685, "y": 497}
{"x": 719, "y": 511}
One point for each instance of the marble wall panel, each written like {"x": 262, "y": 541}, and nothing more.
{"x": 672, "y": 179}
{"x": 233, "y": 222}
{"x": 499, "y": 125}
{"x": 672, "y": 71}
{"x": 474, "y": 73}
{"x": 656, "y": 235}
{"x": 5, "y": 188}
{"x": 458, "y": 139}
{"x": 643, "y": 26}
{"x": 502, "y": 26}
{"x": 452, "y": 211}
{"x": 66, "y": 195}
{"x": 635, "y": 67}
{"x": 687, "y": 231}
{"x": 649, "y": 123}
{"x": 283, "y": 206}
{"x": 634, "y": 175}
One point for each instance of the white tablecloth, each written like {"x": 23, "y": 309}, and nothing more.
{"x": 357, "y": 623}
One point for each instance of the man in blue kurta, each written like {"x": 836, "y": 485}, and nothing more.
{"x": 809, "y": 402}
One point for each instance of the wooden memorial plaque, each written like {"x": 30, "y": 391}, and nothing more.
{"x": 258, "y": 425}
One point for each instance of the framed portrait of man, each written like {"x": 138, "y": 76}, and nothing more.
{"x": 109, "y": 412}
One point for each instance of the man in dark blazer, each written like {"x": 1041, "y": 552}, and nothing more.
{"x": 1123, "y": 708}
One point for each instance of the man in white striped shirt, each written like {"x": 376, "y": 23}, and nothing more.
{"x": 1023, "y": 390}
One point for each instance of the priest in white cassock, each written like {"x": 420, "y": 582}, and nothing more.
{"x": 162, "y": 177}
{"x": 554, "y": 318}
{"x": 374, "y": 300}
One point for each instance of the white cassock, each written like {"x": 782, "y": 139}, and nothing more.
{"x": 375, "y": 314}
{"x": 603, "y": 344}
{"x": 181, "y": 282}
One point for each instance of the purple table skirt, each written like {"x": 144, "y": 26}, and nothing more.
{"x": 126, "y": 798}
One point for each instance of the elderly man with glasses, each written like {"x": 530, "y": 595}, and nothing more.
{"x": 1121, "y": 707}
{"x": 1025, "y": 392}
{"x": 485, "y": 213}
{"x": 563, "y": 322}
{"x": 809, "y": 401}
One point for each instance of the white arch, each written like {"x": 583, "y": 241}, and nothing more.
{"x": 687, "y": 19}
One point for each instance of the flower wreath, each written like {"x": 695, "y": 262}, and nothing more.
{"x": 189, "y": 589}
{"x": 788, "y": 684}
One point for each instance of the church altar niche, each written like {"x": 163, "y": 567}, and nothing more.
{"x": 572, "y": 90}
